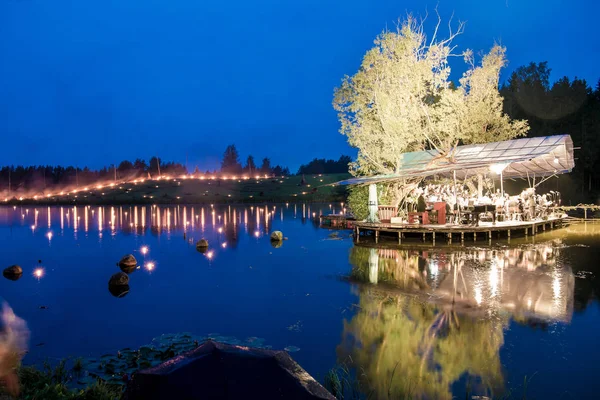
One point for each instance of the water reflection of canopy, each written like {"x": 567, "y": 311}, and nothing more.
{"x": 522, "y": 158}
{"x": 528, "y": 282}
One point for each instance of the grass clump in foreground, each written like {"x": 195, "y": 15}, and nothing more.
{"x": 51, "y": 383}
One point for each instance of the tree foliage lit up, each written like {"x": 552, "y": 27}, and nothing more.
{"x": 402, "y": 99}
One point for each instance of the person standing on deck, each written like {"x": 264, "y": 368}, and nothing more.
{"x": 531, "y": 202}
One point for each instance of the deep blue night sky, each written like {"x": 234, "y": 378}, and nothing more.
{"x": 94, "y": 82}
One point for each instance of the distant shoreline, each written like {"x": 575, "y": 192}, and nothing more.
{"x": 228, "y": 201}
{"x": 317, "y": 188}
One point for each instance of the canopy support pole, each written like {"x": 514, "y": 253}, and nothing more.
{"x": 545, "y": 179}
{"x": 372, "y": 217}
{"x": 455, "y": 199}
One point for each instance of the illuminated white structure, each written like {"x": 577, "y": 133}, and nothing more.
{"x": 535, "y": 157}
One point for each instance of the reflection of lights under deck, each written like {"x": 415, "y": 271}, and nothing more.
{"x": 478, "y": 294}
{"x": 494, "y": 279}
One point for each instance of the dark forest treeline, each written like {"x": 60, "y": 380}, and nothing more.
{"x": 25, "y": 179}
{"x": 323, "y": 166}
{"x": 20, "y": 178}
{"x": 564, "y": 107}
{"x": 231, "y": 165}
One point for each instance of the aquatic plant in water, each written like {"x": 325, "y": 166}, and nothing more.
{"x": 116, "y": 369}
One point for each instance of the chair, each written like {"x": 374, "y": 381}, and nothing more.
{"x": 500, "y": 213}
{"x": 385, "y": 212}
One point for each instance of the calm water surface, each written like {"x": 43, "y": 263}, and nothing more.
{"x": 438, "y": 319}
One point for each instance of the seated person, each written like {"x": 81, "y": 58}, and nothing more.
{"x": 421, "y": 204}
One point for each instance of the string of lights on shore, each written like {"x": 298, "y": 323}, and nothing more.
{"x": 120, "y": 185}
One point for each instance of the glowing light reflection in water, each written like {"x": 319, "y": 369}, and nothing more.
{"x": 414, "y": 303}
{"x": 412, "y": 309}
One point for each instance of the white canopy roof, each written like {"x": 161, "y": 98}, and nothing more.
{"x": 518, "y": 158}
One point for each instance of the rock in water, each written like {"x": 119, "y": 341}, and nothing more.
{"x": 14, "y": 272}
{"x": 118, "y": 290}
{"x": 119, "y": 279}
{"x": 128, "y": 262}
{"x": 276, "y": 236}
{"x": 202, "y": 245}
{"x": 276, "y": 243}
{"x": 128, "y": 270}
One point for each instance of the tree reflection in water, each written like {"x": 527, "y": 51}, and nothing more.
{"x": 427, "y": 319}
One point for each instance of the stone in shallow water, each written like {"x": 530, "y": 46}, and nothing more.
{"x": 120, "y": 278}
{"x": 276, "y": 236}
{"x": 13, "y": 273}
{"x": 118, "y": 290}
{"x": 118, "y": 284}
{"x": 128, "y": 262}
{"x": 128, "y": 270}
{"x": 202, "y": 245}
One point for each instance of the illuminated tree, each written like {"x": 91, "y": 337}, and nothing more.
{"x": 401, "y": 99}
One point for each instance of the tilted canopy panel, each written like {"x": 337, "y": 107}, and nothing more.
{"x": 519, "y": 158}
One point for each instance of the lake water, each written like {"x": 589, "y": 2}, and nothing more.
{"x": 436, "y": 320}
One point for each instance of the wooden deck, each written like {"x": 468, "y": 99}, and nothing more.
{"x": 449, "y": 232}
